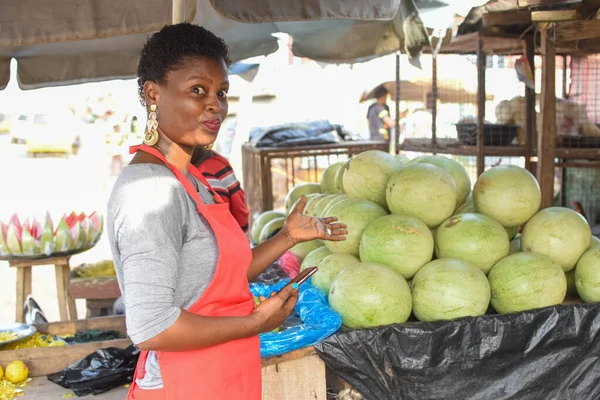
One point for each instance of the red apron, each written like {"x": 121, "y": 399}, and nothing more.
{"x": 230, "y": 370}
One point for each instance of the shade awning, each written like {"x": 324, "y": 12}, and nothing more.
{"x": 58, "y": 42}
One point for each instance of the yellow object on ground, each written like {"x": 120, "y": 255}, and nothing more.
{"x": 8, "y": 335}
{"x": 9, "y": 391}
{"x": 36, "y": 340}
{"x": 16, "y": 372}
{"x": 1, "y": 373}
{"x": 101, "y": 268}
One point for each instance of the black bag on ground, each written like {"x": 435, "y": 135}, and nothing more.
{"x": 99, "y": 372}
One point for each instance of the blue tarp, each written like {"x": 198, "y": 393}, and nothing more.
{"x": 318, "y": 320}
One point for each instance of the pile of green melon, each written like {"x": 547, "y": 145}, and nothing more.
{"x": 423, "y": 241}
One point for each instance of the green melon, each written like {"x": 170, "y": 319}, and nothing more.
{"x": 308, "y": 197}
{"x": 525, "y": 281}
{"x": 400, "y": 242}
{"x": 402, "y": 158}
{"x": 448, "y": 289}
{"x": 270, "y": 229}
{"x": 471, "y": 237}
{"x": 330, "y": 267}
{"x": 587, "y": 276}
{"x": 423, "y": 191}
{"x": 328, "y": 184}
{"x": 297, "y": 191}
{"x": 323, "y": 203}
{"x": 416, "y": 159}
{"x": 507, "y": 193}
{"x": 303, "y": 249}
{"x": 367, "y": 175}
{"x": 311, "y": 204}
{"x": 559, "y": 233}
{"x": 339, "y": 177}
{"x": 357, "y": 215}
{"x": 571, "y": 286}
{"x": 260, "y": 223}
{"x": 314, "y": 258}
{"x": 466, "y": 207}
{"x": 368, "y": 295}
{"x": 456, "y": 171}
{"x": 327, "y": 210}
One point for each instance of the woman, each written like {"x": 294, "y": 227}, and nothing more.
{"x": 219, "y": 174}
{"x": 177, "y": 248}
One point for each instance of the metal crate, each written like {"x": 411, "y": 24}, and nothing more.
{"x": 269, "y": 173}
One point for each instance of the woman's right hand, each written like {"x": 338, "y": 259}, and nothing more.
{"x": 272, "y": 312}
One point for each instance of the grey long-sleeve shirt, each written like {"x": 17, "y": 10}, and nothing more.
{"x": 165, "y": 253}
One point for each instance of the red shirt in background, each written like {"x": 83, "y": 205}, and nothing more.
{"x": 220, "y": 176}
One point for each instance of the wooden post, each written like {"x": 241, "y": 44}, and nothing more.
{"x": 434, "y": 95}
{"x": 546, "y": 138}
{"x": 481, "y": 61}
{"x": 530, "y": 114}
{"x": 178, "y": 11}
{"x": 395, "y": 133}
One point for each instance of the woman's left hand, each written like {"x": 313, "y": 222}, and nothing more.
{"x": 301, "y": 228}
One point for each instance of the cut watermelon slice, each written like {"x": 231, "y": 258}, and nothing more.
{"x": 63, "y": 238}
{"x": 3, "y": 247}
{"x": 96, "y": 227}
{"x": 13, "y": 239}
{"x": 85, "y": 225}
{"x": 71, "y": 219}
{"x": 47, "y": 244}
{"x": 14, "y": 221}
{"x": 28, "y": 244}
{"x": 79, "y": 236}
{"x": 36, "y": 229}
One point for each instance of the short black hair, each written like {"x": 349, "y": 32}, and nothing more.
{"x": 380, "y": 92}
{"x": 167, "y": 48}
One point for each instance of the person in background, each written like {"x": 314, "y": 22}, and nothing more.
{"x": 218, "y": 172}
{"x": 115, "y": 140}
{"x": 380, "y": 121}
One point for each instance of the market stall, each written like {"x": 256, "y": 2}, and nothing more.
{"x": 451, "y": 288}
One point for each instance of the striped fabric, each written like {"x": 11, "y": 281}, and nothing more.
{"x": 220, "y": 176}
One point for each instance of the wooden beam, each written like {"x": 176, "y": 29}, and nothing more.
{"x": 555, "y": 15}
{"x": 481, "y": 62}
{"x": 509, "y": 17}
{"x": 576, "y": 30}
{"x": 530, "y": 113}
{"x": 546, "y": 138}
{"x": 494, "y": 43}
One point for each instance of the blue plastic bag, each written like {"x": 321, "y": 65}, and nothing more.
{"x": 318, "y": 320}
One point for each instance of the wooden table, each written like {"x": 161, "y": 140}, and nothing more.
{"x": 66, "y": 303}
{"x": 299, "y": 375}
{"x": 42, "y": 389}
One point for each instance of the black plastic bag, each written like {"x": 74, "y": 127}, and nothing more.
{"x": 296, "y": 134}
{"x": 549, "y": 353}
{"x": 99, "y": 371}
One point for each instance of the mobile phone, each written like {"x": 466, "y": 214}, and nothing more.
{"x": 304, "y": 275}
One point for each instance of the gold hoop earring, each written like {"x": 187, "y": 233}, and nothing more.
{"x": 209, "y": 146}
{"x": 151, "y": 136}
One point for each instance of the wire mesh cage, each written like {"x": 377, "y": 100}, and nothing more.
{"x": 578, "y": 112}
{"x": 449, "y": 113}
{"x": 577, "y": 188}
{"x": 269, "y": 173}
